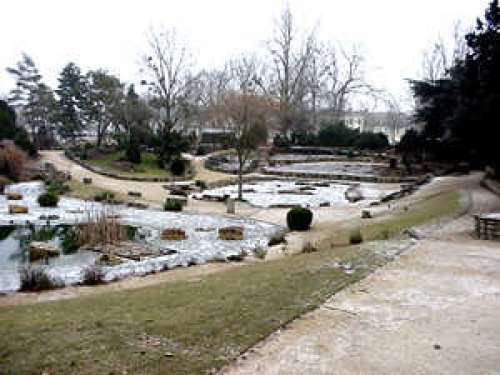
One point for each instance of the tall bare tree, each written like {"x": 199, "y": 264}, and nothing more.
{"x": 168, "y": 67}
{"x": 440, "y": 57}
{"x": 291, "y": 52}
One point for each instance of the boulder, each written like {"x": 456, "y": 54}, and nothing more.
{"x": 353, "y": 194}
{"x": 232, "y": 233}
{"x": 17, "y": 209}
{"x": 13, "y": 196}
{"x": 173, "y": 234}
{"x": 40, "y": 250}
{"x": 108, "y": 260}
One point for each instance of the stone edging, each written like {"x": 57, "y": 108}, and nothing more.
{"x": 82, "y": 164}
{"x": 491, "y": 185}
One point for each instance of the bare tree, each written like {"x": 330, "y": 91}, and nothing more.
{"x": 440, "y": 57}
{"x": 168, "y": 68}
{"x": 245, "y": 116}
{"x": 291, "y": 53}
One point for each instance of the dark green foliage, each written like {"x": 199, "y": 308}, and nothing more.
{"x": 169, "y": 146}
{"x": 178, "y": 167}
{"x": 104, "y": 196}
{"x": 299, "y": 218}
{"x": 201, "y": 184}
{"x": 133, "y": 151}
{"x": 9, "y": 130}
{"x": 57, "y": 187}
{"x": 172, "y": 205}
{"x": 372, "y": 141}
{"x": 461, "y": 110}
{"x": 5, "y": 231}
{"x": 48, "y": 199}
{"x": 355, "y": 237}
{"x": 69, "y": 240}
{"x": 337, "y": 135}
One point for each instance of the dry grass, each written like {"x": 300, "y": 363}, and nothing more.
{"x": 101, "y": 227}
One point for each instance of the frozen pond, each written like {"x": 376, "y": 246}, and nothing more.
{"x": 334, "y": 168}
{"x": 286, "y": 193}
{"x": 202, "y": 243}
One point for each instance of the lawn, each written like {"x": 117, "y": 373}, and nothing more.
{"x": 147, "y": 168}
{"x": 188, "y": 327}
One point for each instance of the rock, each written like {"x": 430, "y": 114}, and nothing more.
{"x": 230, "y": 206}
{"x": 13, "y": 196}
{"x": 353, "y": 194}
{"x": 365, "y": 214}
{"x": 39, "y": 250}
{"x": 17, "y": 209}
{"x": 232, "y": 233}
{"x": 413, "y": 233}
{"x": 108, "y": 260}
{"x": 173, "y": 234}
{"x": 141, "y": 206}
{"x": 87, "y": 180}
{"x": 325, "y": 204}
{"x": 135, "y": 194}
{"x": 168, "y": 251}
{"x": 179, "y": 192}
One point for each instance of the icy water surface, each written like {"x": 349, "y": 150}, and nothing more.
{"x": 306, "y": 194}
{"x": 202, "y": 243}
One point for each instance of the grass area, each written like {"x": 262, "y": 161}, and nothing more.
{"x": 147, "y": 168}
{"x": 191, "y": 327}
{"x": 87, "y": 192}
{"x": 174, "y": 328}
{"x": 423, "y": 211}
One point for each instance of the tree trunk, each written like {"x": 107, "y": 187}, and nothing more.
{"x": 240, "y": 180}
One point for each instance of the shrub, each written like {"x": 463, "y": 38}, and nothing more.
{"x": 355, "y": 237}
{"x": 48, "y": 199}
{"x": 93, "y": 275}
{"x": 12, "y": 161}
{"x": 299, "y": 218}
{"x": 36, "y": 279}
{"x": 57, "y": 187}
{"x": 260, "y": 252}
{"x": 201, "y": 184}
{"x": 104, "y": 196}
{"x": 133, "y": 152}
{"x": 172, "y": 205}
{"x": 178, "y": 167}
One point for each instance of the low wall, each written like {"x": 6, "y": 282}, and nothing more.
{"x": 344, "y": 177}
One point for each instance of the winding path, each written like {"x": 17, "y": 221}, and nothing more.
{"x": 435, "y": 310}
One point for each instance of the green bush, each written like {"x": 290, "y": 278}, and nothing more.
{"x": 299, "y": 218}
{"x": 172, "y": 205}
{"x": 178, "y": 167}
{"x": 201, "y": 184}
{"x": 104, "y": 196}
{"x": 57, "y": 187}
{"x": 48, "y": 199}
{"x": 355, "y": 237}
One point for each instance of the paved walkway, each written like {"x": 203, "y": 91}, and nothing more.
{"x": 435, "y": 310}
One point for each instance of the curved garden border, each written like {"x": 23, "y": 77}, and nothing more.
{"x": 81, "y": 163}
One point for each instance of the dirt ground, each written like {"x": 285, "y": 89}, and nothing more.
{"x": 435, "y": 310}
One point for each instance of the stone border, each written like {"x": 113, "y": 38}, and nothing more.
{"x": 491, "y": 185}
{"x": 82, "y": 164}
{"x": 344, "y": 177}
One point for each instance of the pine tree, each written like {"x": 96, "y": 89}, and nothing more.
{"x": 69, "y": 91}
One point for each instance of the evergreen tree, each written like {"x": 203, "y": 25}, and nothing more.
{"x": 70, "y": 102}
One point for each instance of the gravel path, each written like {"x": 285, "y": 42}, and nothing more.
{"x": 435, "y": 310}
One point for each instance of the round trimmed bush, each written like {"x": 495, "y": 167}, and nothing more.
{"x": 48, "y": 199}
{"x": 299, "y": 218}
{"x": 178, "y": 167}
{"x": 172, "y": 205}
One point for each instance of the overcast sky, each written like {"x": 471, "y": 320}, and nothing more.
{"x": 111, "y": 34}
